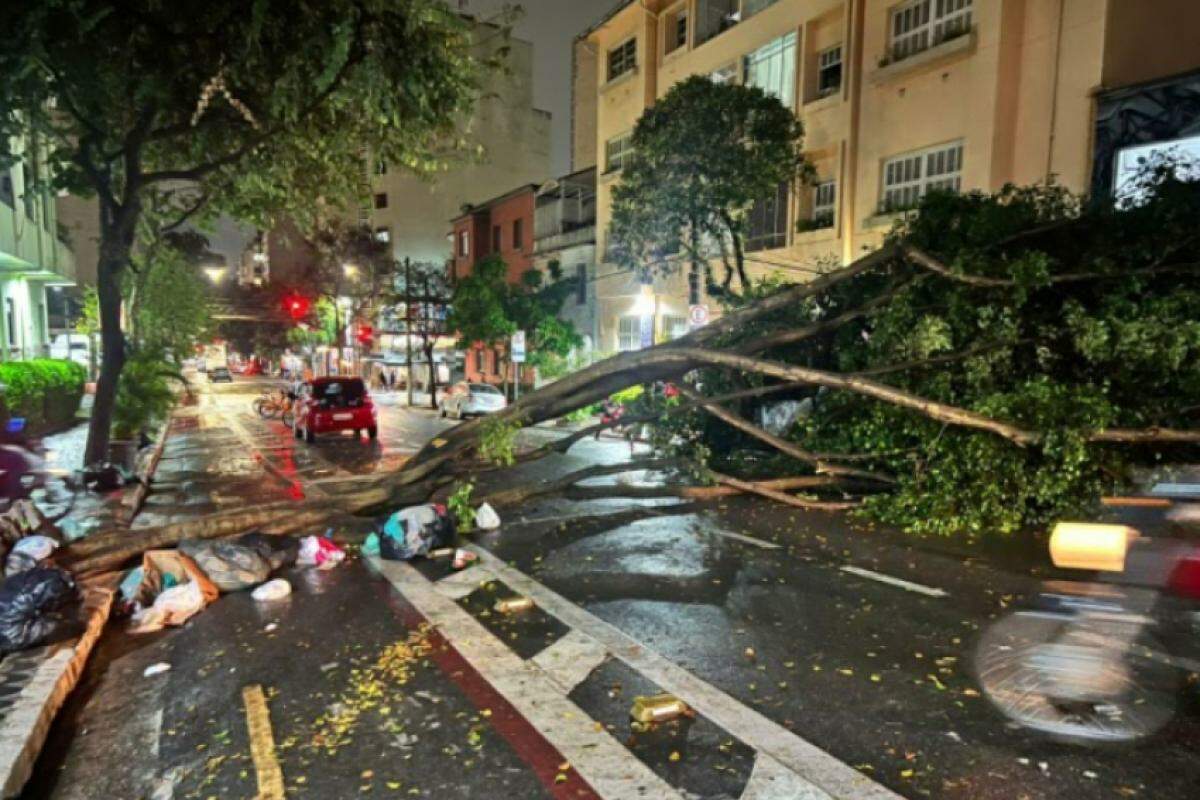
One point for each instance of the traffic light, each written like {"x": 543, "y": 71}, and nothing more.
{"x": 365, "y": 335}
{"x": 296, "y": 306}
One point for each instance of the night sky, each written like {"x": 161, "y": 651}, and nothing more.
{"x": 552, "y": 26}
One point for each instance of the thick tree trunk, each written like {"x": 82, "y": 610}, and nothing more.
{"x": 116, "y": 246}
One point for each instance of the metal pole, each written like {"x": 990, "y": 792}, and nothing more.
{"x": 408, "y": 324}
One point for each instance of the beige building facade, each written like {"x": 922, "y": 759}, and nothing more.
{"x": 897, "y": 98}
{"x": 514, "y": 141}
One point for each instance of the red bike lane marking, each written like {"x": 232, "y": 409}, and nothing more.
{"x": 525, "y": 740}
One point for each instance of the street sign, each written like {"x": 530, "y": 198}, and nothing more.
{"x": 698, "y": 316}
{"x": 518, "y": 347}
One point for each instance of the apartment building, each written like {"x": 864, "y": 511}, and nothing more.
{"x": 36, "y": 261}
{"x": 897, "y": 98}
{"x": 502, "y": 226}
{"x": 564, "y": 240}
{"x": 513, "y": 140}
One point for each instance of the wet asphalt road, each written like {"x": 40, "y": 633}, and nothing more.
{"x": 748, "y": 596}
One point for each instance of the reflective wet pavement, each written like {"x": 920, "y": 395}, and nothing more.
{"x": 748, "y": 596}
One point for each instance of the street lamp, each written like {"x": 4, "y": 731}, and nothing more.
{"x": 350, "y": 271}
{"x": 215, "y": 274}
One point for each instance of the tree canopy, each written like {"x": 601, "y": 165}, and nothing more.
{"x": 251, "y": 108}
{"x": 486, "y": 308}
{"x": 703, "y": 155}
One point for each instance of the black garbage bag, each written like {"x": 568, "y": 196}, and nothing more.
{"x": 416, "y": 531}
{"x": 32, "y": 606}
{"x": 281, "y": 551}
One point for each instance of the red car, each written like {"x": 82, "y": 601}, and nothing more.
{"x": 333, "y": 404}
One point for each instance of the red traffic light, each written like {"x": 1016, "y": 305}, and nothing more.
{"x": 296, "y": 306}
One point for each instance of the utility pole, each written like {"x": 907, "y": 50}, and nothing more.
{"x": 408, "y": 324}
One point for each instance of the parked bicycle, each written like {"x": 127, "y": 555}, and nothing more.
{"x": 275, "y": 404}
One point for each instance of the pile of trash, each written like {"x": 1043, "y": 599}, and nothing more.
{"x": 39, "y": 602}
{"x": 172, "y": 586}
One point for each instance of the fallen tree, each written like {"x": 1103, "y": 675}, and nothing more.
{"x": 999, "y": 360}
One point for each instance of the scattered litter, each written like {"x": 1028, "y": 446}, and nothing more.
{"x": 1044, "y": 767}
{"x": 272, "y": 590}
{"x": 319, "y": 551}
{"x": 231, "y": 567}
{"x": 371, "y": 545}
{"x": 174, "y": 606}
{"x": 463, "y": 558}
{"x": 953, "y": 735}
{"x": 416, "y": 531}
{"x": 30, "y": 608}
{"x": 1023, "y": 762}
{"x": 271, "y": 628}
{"x": 332, "y": 665}
{"x": 486, "y": 518}
{"x": 171, "y": 591}
{"x": 28, "y": 553}
{"x": 511, "y": 605}
{"x": 1087, "y": 773}
{"x": 657, "y": 708}
{"x": 155, "y": 669}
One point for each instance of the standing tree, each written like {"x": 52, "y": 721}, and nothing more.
{"x": 486, "y": 309}
{"x": 703, "y": 155}
{"x": 423, "y": 294}
{"x": 252, "y": 108}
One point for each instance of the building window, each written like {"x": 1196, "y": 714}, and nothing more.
{"x": 617, "y": 152}
{"x": 714, "y": 17}
{"x": 824, "y": 204}
{"x": 906, "y": 178}
{"x": 673, "y": 327}
{"x": 694, "y": 287}
{"x": 772, "y": 68}
{"x": 622, "y": 59}
{"x": 752, "y": 7}
{"x": 921, "y": 24}
{"x": 10, "y": 315}
{"x": 27, "y": 195}
{"x": 518, "y": 234}
{"x": 380, "y": 167}
{"x": 464, "y": 243}
{"x": 829, "y": 71}
{"x": 725, "y": 75}
{"x": 381, "y": 200}
{"x": 6, "y": 190}
{"x": 581, "y": 283}
{"x": 676, "y": 30}
{"x": 495, "y": 238}
{"x": 629, "y": 334}
{"x": 766, "y": 229}
{"x": 383, "y": 235}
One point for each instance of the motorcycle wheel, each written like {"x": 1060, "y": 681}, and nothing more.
{"x": 1139, "y": 687}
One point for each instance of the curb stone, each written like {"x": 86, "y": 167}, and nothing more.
{"x": 34, "y": 684}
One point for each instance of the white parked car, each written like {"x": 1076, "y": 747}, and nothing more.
{"x": 464, "y": 399}
{"x": 71, "y": 347}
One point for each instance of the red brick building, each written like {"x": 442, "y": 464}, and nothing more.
{"x": 501, "y": 226}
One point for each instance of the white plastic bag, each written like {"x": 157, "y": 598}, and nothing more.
{"x": 486, "y": 518}
{"x": 174, "y": 606}
{"x": 272, "y": 590}
{"x": 27, "y": 553}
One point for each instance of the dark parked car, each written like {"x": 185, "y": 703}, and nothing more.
{"x": 219, "y": 375}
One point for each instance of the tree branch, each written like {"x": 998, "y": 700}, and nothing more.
{"x": 780, "y": 444}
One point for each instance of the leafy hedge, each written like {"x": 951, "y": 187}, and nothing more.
{"x": 45, "y": 391}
